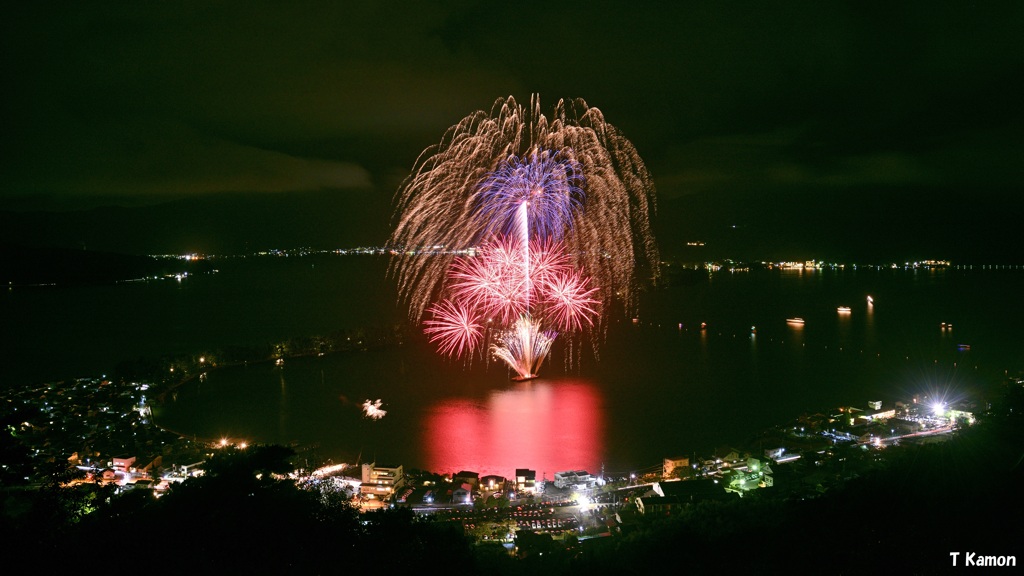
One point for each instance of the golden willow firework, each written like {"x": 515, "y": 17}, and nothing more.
{"x": 436, "y": 207}
{"x": 571, "y": 179}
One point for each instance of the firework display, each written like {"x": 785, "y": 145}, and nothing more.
{"x": 372, "y": 410}
{"x": 517, "y": 227}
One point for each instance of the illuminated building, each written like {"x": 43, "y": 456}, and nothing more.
{"x": 877, "y": 413}
{"x": 576, "y": 479}
{"x": 381, "y": 481}
{"x": 670, "y": 465}
{"x": 123, "y": 463}
{"x": 463, "y": 494}
{"x": 526, "y": 480}
{"x": 493, "y": 482}
{"x": 467, "y": 477}
{"x": 955, "y": 415}
{"x": 727, "y": 456}
{"x": 757, "y": 475}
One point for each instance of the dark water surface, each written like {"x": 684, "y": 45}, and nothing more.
{"x": 662, "y": 386}
{"x": 63, "y": 332}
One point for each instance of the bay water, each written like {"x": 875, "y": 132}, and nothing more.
{"x": 708, "y": 361}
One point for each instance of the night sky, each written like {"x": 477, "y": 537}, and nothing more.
{"x": 782, "y": 129}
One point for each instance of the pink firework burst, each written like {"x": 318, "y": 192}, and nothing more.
{"x": 570, "y": 301}
{"x": 502, "y": 280}
{"x": 492, "y": 282}
{"x": 510, "y": 285}
{"x": 454, "y": 328}
{"x": 548, "y": 260}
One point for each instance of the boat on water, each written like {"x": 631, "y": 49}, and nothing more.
{"x": 963, "y": 347}
{"x": 794, "y": 320}
{"x": 843, "y": 309}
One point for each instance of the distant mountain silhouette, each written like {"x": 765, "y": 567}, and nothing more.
{"x": 876, "y": 225}
{"x": 213, "y": 224}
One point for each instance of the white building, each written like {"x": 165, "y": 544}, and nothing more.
{"x": 381, "y": 481}
{"x": 575, "y": 479}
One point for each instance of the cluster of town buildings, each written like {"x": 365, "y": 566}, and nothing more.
{"x": 728, "y": 472}
{"x": 104, "y": 428}
{"x": 100, "y": 425}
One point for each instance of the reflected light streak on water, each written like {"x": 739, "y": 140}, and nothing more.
{"x": 548, "y": 427}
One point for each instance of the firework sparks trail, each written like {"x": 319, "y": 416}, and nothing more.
{"x": 372, "y": 410}
{"x": 542, "y": 200}
{"x": 523, "y": 347}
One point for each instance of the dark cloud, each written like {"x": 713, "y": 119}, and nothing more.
{"x": 723, "y": 98}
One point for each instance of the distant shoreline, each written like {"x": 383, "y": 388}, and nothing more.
{"x": 160, "y": 399}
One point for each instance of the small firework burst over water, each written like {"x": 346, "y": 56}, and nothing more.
{"x": 516, "y": 226}
{"x": 372, "y": 410}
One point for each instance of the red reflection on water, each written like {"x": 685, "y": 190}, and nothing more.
{"x": 543, "y": 425}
